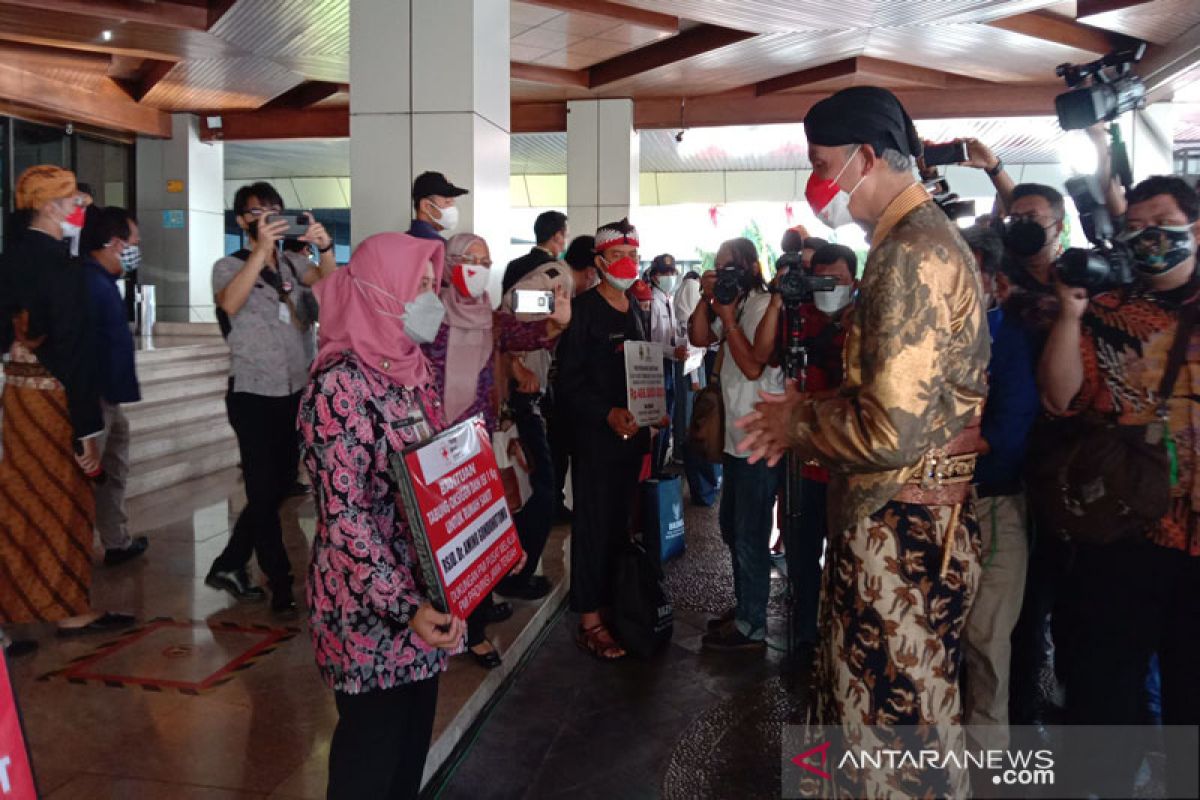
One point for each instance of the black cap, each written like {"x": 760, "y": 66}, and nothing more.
{"x": 428, "y": 184}
{"x": 663, "y": 263}
{"x": 863, "y": 115}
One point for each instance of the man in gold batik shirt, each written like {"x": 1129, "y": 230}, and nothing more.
{"x": 899, "y": 439}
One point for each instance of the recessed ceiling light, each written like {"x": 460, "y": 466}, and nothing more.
{"x": 106, "y": 36}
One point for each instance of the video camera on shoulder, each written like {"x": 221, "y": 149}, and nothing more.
{"x": 1111, "y": 89}
{"x": 1109, "y": 263}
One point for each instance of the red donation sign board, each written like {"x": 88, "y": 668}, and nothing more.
{"x": 461, "y": 524}
{"x": 16, "y": 777}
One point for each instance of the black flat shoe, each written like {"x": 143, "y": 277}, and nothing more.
{"x": 283, "y": 603}
{"x": 106, "y": 623}
{"x": 237, "y": 583}
{"x": 488, "y": 660}
{"x": 118, "y": 556}
{"x": 535, "y": 588}
{"x": 498, "y": 613}
{"x": 20, "y": 647}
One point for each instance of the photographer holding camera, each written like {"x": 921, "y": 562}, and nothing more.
{"x": 735, "y": 299}
{"x": 1135, "y": 590}
{"x": 264, "y": 297}
{"x": 822, "y": 319}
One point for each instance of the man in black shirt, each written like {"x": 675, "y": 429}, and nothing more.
{"x": 550, "y": 230}
{"x": 609, "y": 446}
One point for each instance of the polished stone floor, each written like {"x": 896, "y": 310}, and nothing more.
{"x": 207, "y": 699}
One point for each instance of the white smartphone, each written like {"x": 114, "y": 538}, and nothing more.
{"x": 532, "y": 301}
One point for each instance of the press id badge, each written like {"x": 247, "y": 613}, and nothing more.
{"x": 285, "y": 314}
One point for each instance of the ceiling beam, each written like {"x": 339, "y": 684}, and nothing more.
{"x": 618, "y": 11}
{"x": 1060, "y": 30}
{"x": 689, "y": 43}
{"x": 794, "y": 80}
{"x": 279, "y": 123}
{"x": 1164, "y": 65}
{"x": 85, "y": 46}
{"x": 867, "y": 67}
{"x": 538, "y": 117}
{"x": 107, "y": 108}
{"x": 305, "y": 94}
{"x": 554, "y": 76}
{"x": 216, "y": 10}
{"x": 163, "y": 13}
{"x": 1090, "y": 8}
{"x": 33, "y": 57}
{"x": 999, "y": 100}
{"x": 148, "y": 76}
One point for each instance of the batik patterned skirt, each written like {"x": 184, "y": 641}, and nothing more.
{"x": 891, "y": 644}
{"x": 47, "y": 506}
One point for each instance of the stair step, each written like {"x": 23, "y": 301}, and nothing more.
{"x": 187, "y": 329}
{"x": 186, "y": 352}
{"x": 177, "y": 370}
{"x": 152, "y": 445}
{"x": 146, "y": 417}
{"x": 185, "y": 388}
{"x": 170, "y": 470}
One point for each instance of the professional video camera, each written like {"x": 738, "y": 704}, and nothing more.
{"x": 1107, "y": 265}
{"x": 1113, "y": 89}
{"x": 796, "y": 288}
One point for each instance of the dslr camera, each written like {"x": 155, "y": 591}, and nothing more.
{"x": 1109, "y": 263}
{"x": 729, "y": 285}
{"x": 796, "y": 287}
{"x": 1100, "y": 91}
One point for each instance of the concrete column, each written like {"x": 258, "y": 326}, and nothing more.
{"x": 431, "y": 92}
{"x": 181, "y": 214}
{"x": 602, "y": 163}
{"x": 1149, "y": 137}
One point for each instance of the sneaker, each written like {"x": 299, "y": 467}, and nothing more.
{"x": 119, "y": 555}
{"x": 730, "y": 638}
{"x": 236, "y": 582}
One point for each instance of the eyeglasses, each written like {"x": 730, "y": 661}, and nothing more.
{"x": 475, "y": 261}
{"x": 258, "y": 211}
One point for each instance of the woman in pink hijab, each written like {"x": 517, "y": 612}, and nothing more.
{"x": 462, "y": 358}
{"x": 379, "y": 643}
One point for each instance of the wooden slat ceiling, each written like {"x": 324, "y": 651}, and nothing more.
{"x": 239, "y": 55}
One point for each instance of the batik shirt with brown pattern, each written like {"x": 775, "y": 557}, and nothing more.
{"x": 916, "y": 362}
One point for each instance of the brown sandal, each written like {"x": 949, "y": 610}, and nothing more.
{"x": 593, "y": 641}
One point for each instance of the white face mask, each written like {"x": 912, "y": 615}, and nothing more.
{"x": 833, "y": 301}
{"x": 423, "y": 318}
{"x": 620, "y": 283}
{"x": 448, "y": 220}
{"x": 668, "y": 283}
{"x": 836, "y": 212}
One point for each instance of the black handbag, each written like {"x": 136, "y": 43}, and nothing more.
{"x": 642, "y": 616}
{"x": 1094, "y": 482}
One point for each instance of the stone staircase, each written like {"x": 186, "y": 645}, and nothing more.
{"x": 180, "y": 431}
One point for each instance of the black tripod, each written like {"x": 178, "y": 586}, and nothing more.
{"x": 795, "y": 367}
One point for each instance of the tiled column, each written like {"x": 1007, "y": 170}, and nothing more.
{"x": 181, "y": 214}
{"x": 430, "y": 92}
{"x": 602, "y": 163}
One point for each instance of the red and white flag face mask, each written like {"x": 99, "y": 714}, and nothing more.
{"x": 471, "y": 280}
{"x": 829, "y": 201}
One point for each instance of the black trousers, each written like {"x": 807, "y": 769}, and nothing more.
{"x": 477, "y": 621}
{"x": 1121, "y": 604}
{"x": 1031, "y": 638}
{"x": 537, "y": 517}
{"x": 558, "y": 431}
{"x": 267, "y": 440}
{"x": 380, "y": 742}
{"x": 606, "y": 502}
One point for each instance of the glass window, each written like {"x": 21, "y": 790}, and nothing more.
{"x": 104, "y": 167}
{"x": 34, "y": 144}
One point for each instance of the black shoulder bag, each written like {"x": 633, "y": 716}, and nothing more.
{"x": 1095, "y": 482}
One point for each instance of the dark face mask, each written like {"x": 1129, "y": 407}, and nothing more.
{"x": 1160, "y": 249}
{"x": 1024, "y": 237}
